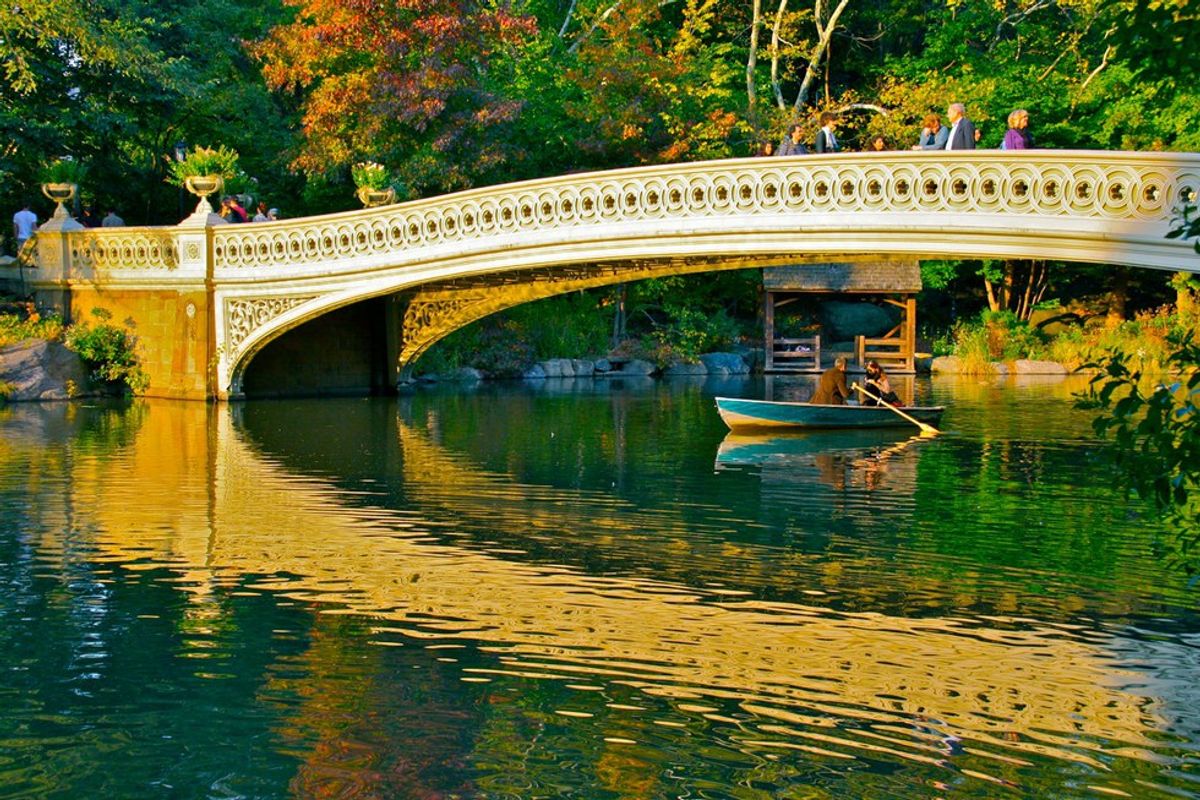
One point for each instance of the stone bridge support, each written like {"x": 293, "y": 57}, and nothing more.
{"x": 154, "y": 280}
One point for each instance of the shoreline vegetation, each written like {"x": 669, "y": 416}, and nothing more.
{"x": 43, "y": 359}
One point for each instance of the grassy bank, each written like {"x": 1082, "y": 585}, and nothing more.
{"x": 1002, "y": 336}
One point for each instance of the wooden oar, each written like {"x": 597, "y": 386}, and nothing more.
{"x": 925, "y": 427}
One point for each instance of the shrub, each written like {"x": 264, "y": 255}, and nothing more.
{"x": 995, "y": 336}
{"x": 1144, "y": 340}
{"x": 371, "y": 175}
{"x": 1155, "y": 431}
{"x": 64, "y": 170}
{"x": 972, "y": 347}
{"x": 219, "y": 161}
{"x": 109, "y": 352}
{"x": 567, "y": 326}
{"x": 691, "y": 333}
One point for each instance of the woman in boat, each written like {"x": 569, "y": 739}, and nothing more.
{"x": 879, "y": 385}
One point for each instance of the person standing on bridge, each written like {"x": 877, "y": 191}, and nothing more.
{"x": 933, "y": 135}
{"x": 791, "y": 144}
{"x": 24, "y": 224}
{"x": 962, "y": 132}
{"x": 826, "y": 141}
{"x": 1017, "y": 137}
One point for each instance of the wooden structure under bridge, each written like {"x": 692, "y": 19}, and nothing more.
{"x": 894, "y": 282}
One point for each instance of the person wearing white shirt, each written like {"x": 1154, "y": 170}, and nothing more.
{"x": 24, "y": 224}
{"x": 962, "y": 132}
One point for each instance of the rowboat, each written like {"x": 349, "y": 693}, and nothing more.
{"x": 742, "y": 414}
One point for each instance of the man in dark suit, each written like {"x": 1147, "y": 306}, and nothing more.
{"x": 826, "y": 141}
{"x": 962, "y": 132}
{"x": 831, "y": 389}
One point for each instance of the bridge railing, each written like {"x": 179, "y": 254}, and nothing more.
{"x": 1085, "y": 189}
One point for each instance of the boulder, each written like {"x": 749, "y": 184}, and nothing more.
{"x": 753, "y": 356}
{"x": 725, "y": 364}
{"x": 1029, "y": 367}
{"x": 40, "y": 370}
{"x": 949, "y": 364}
{"x": 534, "y": 373}
{"x": 1000, "y": 369}
{"x": 635, "y": 366}
{"x": 842, "y": 320}
{"x": 683, "y": 368}
{"x": 464, "y": 374}
{"x": 602, "y": 365}
{"x": 584, "y": 368}
{"x": 923, "y": 365}
{"x": 558, "y": 368}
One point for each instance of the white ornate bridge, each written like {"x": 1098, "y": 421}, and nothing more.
{"x": 207, "y": 297}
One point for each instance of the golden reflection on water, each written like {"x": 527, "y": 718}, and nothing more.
{"x": 1013, "y": 690}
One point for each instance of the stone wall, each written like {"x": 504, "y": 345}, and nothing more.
{"x": 172, "y": 331}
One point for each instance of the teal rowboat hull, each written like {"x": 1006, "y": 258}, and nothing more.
{"x": 741, "y": 414}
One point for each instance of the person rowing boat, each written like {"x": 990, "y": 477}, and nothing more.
{"x": 832, "y": 389}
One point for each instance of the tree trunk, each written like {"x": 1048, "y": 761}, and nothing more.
{"x": 993, "y": 304}
{"x": 824, "y": 36}
{"x": 618, "y": 329}
{"x": 776, "y": 88}
{"x": 752, "y": 59}
{"x": 1185, "y": 293}
{"x": 1118, "y": 297}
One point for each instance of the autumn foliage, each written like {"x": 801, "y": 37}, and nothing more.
{"x": 406, "y": 81}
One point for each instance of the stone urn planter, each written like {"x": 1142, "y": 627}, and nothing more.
{"x": 60, "y": 193}
{"x": 375, "y": 197}
{"x": 203, "y": 185}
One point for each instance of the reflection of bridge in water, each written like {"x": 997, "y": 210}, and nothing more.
{"x": 207, "y": 299}
{"x": 1005, "y": 687}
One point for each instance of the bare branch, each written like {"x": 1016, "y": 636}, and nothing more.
{"x": 566, "y": 22}
{"x": 1018, "y": 17}
{"x": 1053, "y": 64}
{"x": 608, "y": 12}
{"x": 864, "y": 107}
{"x": 1108, "y": 51}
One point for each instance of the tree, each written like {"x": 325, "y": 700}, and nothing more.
{"x": 116, "y": 85}
{"x": 410, "y": 84}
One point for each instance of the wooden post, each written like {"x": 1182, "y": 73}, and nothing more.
{"x": 769, "y": 331}
{"x": 910, "y": 331}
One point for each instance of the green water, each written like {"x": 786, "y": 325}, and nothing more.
{"x": 583, "y": 590}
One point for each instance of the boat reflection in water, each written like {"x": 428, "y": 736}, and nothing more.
{"x": 841, "y": 459}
